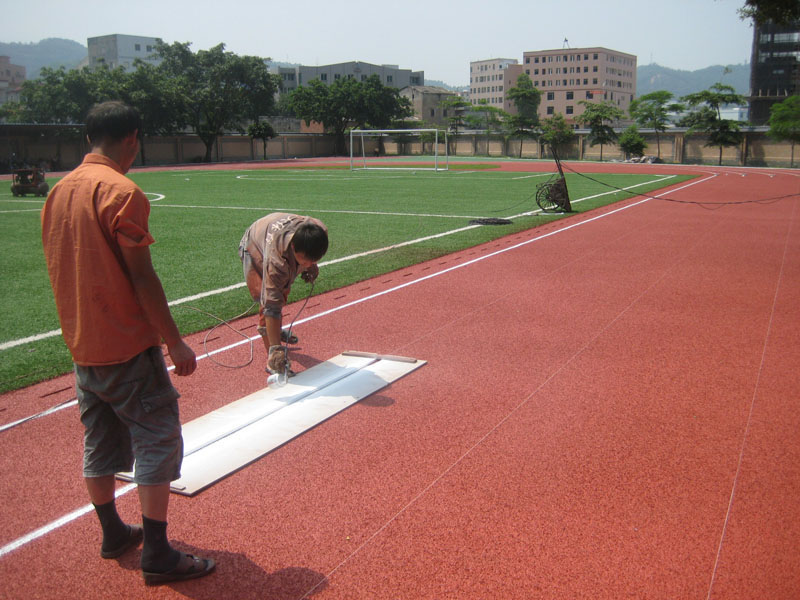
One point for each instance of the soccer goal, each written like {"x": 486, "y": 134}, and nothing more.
{"x": 372, "y": 143}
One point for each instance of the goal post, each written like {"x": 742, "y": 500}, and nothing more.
{"x": 359, "y": 139}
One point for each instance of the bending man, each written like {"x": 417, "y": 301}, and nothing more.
{"x": 274, "y": 250}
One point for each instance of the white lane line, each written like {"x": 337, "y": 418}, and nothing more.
{"x": 57, "y": 332}
{"x": 60, "y": 522}
{"x": 80, "y": 512}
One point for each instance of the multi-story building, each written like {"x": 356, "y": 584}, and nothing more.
{"x": 426, "y": 101}
{"x": 11, "y": 78}
{"x": 489, "y": 80}
{"x": 390, "y": 75}
{"x": 564, "y": 77}
{"x": 774, "y": 67}
{"x": 567, "y": 76}
{"x": 118, "y": 50}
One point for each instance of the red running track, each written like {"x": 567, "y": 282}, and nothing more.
{"x": 610, "y": 409}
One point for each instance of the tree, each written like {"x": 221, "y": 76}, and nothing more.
{"x": 784, "y": 122}
{"x": 707, "y": 116}
{"x": 157, "y": 97}
{"x": 782, "y": 12}
{"x": 217, "y": 90}
{"x": 349, "y": 102}
{"x": 526, "y": 99}
{"x": 455, "y": 108}
{"x": 490, "y": 118}
{"x": 556, "y": 133}
{"x": 263, "y": 131}
{"x": 598, "y": 116}
{"x": 651, "y": 111}
{"x": 632, "y": 142}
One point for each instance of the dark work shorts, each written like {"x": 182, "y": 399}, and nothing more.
{"x": 130, "y": 412}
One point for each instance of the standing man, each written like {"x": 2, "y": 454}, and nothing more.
{"x": 274, "y": 250}
{"x": 113, "y": 315}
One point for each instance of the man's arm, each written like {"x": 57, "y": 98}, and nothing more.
{"x": 151, "y": 297}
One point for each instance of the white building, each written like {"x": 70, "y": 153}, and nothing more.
{"x": 118, "y": 50}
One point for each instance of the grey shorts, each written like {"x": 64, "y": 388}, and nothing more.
{"x": 130, "y": 411}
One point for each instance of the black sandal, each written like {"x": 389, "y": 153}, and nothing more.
{"x": 188, "y": 567}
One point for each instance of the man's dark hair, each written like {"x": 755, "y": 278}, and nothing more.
{"x": 311, "y": 240}
{"x": 112, "y": 121}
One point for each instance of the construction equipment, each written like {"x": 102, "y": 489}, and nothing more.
{"x": 29, "y": 181}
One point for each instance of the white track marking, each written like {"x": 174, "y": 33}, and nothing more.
{"x": 57, "y": 332}
{"x": 60, "y": 522}
{"x": 19, "y": 542}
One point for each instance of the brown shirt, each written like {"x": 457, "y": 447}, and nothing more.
{"x": 272, "y": 236}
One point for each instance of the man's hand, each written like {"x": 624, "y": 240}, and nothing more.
{"x": 183, "y": 358}
{"x": 310, "y": 274}
{"x": 277, "y": 359}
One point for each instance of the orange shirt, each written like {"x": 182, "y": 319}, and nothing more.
{"x": 87, "y": 217}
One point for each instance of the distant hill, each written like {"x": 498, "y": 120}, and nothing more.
{"x": 651, "y": 78}
{"x": 442, "y": 84}
{"x": 52, "y": 52}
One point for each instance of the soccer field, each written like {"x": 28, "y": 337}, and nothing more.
{"x": 378, "y": 221}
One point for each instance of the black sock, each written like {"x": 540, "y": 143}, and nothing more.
{"x": 115, "y": 532}
{"x": 157, "y": 555}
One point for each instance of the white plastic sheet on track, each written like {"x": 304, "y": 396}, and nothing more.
{"x": 235, "y": 435}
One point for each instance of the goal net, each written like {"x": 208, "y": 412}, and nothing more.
{"x": 428, "y": 145}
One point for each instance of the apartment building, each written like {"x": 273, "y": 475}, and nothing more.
{"x": 489, "y": 81}
{"x": 11, "y": 78}
{"x": 426, "y": 101}
{"x": 564, "y": 77}
{"x": 390, "y": 75}
{"x": 118, "y": 50}
{"x": 567, "y": 76}
{"x": 774, "y": 67}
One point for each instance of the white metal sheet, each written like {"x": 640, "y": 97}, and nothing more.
{"x": 231, "y": 437}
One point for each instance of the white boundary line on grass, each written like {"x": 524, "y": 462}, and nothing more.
{"x": 56, "y": 332}
{"x": 64, "y": 520}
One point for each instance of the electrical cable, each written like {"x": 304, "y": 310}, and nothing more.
{"x": 705, "y": 205}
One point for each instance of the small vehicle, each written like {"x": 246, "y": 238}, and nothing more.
{"x": 29, "y": 181}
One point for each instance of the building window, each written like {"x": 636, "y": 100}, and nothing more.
{"x": 388, "y": 79}
{"x": 588, "y": 95}
{"x": 527, "y": 60}
{"x": 569, "y": 109}
{"x": 550, "y": 110}
{"x": 551, "y": 95}
{"x": 336, "y": 76}
{"x": 570, "y": 95}
{"x": 137, "y": 47}
{"x": 594, "y": 81}
{"x": 595, "y": 56}
{"x": 323, "y": 76}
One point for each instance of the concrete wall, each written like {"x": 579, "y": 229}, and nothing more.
{"x": 676, "y": 147}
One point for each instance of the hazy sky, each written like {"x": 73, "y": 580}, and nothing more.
{"x": 439, "y": 37}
